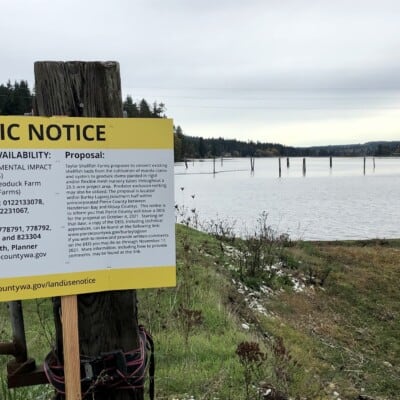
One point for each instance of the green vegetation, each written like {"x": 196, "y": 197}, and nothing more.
{"x": 326, "y": 325}
{"x": 198, "y": 147}
{"x": 38, "y": 327}
{"x": 15, "y": 99}
{"x": 142, "y": 109}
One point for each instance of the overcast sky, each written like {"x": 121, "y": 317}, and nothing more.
{"x": 299, "y": 72}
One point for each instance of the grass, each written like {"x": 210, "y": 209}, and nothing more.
{"x": 348, "y": 329}
{"x": 195, "y": 357}
{"x": 341, "y": 332}
{"x": 339, "y": 335}
{"x": 38, "y": 329}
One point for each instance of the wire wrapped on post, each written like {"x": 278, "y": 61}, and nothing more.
{"x": 113, "y": 370}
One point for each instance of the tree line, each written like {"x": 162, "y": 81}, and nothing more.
{"x": 17, "y": 99}
{"x": 198, "y": 147}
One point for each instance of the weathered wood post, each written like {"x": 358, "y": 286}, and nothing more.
{"x": 251, "y": 164}
{"x": 304, "y": 167}
{"x": 214, "y": 165}
{"x": 330, "y": 162}
{"x": 364, "y": 164}
{"x": 373, "y": 161}
{"x": 287, "y": 162}
{"x": 108, "y": 320}
{"x": 280, "y": 168}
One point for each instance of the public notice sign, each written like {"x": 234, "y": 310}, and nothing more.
{"x": 87, "y": 205}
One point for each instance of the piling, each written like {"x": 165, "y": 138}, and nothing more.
{"x": 287, "y": 162}
{"x": 364, "y": 164}
{"x": 330, "y": 162}
{"x": 214, "y": 165}
{"x": 304, "y": 167}
{"x": 280, "y": 168}
{"x": 252, "y": 164}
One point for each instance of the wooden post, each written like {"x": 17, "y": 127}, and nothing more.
{"x": 280, "y": 168}
{"x": 373, "y": 161}
{"x": 107, "y": 321}
{"x": 330, "y": 162}
{"x": 304, "y": 167}
{"x": 364, "y": 164}
{"x": 222, "y": 161}
{"x": 72, "y": 367}
{"x": 287, "y": 162}
{"x": 214, "y": 165}
{"x": 251, "y": 164}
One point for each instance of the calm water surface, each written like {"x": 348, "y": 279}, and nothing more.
{"x": 325, "y": 204}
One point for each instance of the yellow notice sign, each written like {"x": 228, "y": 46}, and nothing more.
{"x": 87, "y": 205}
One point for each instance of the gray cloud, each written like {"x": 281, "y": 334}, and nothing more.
{"x": 250, "y": 47}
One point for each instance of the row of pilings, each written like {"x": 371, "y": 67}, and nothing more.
{"x": 304, "y": 164}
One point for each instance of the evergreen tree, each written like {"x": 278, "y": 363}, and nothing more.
{"x": 177, "y": 147}
{"x": 158, "y": 110}
{"x": 202, "y": 148}
{"x": 179, "y": 144}
{"x": 15, "y": 99}
{"x": 4, "y": 93}
{"x": 144, "y": 109}
{"x": 130, "y": 107}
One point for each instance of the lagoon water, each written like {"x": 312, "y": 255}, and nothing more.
{"x": 326, "y": 204}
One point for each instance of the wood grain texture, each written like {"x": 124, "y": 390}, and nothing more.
{"x": 69, "y": 312}
{"x": 78, "y": 89}
{"x": 107, "y": 320}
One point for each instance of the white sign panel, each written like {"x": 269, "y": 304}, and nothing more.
{"x": 97, "y": 215}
